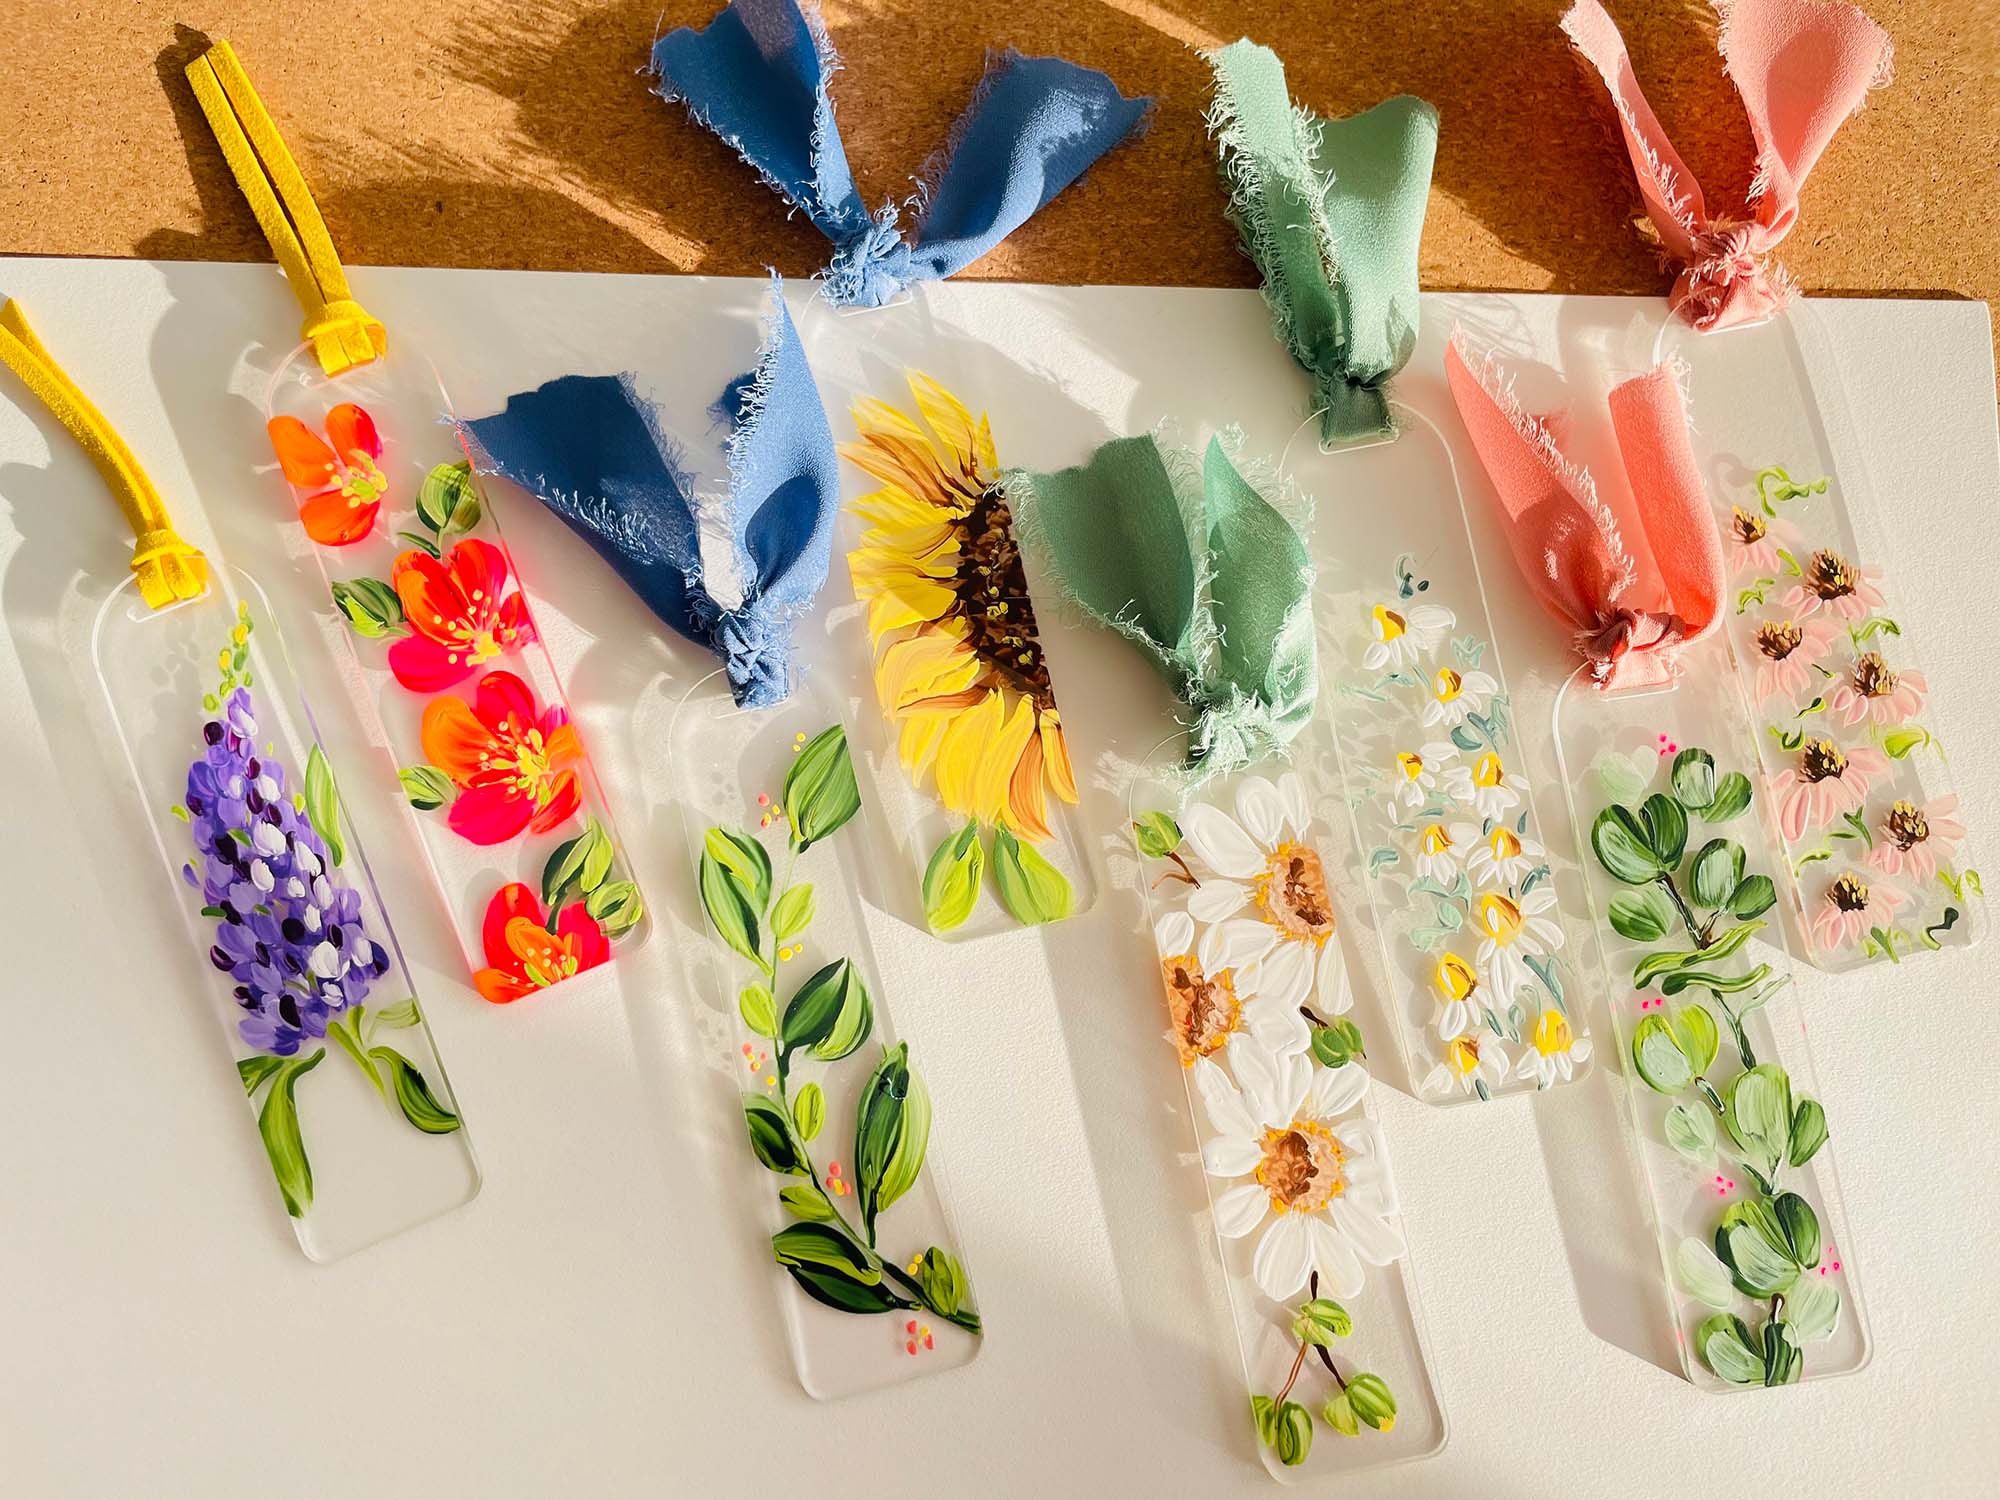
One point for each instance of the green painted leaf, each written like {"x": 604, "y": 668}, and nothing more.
{"x": 1264, "y": 1412}
{"x": 771, "y": 1136}
{"x": 1695, "y": 1031}
{"x": 1666, "y": 826}
{"x": 1725, "y": 1344}
{"x": 830, "y": 1013}
{"x": 577, "y": 867}
{"x": 827, "y": 1248}
{"x": 1653, "y": 965}
{"x": 256, "y": 1070}
{"x": 616, "y": 906}
{"x": 1758, "y": 1115}
{"x": 1372, "y": 1400}
{"x": 1690, "y": 1130}
{"x": 1693, "y": 779}
{"x": 1801, "y": 1226}
{"x": 1643, "y": 915}
{"x": 398, "y": 1017}
{"x": 1812, "y": 1310}
{"x": 1620, "y": 842}
{"x": 1156, "y": 834}
{"x": 746, "y": 862}
{"x": 447, "y": 502}
{"x": 1720, "y": 984}
{"x": 794, "y": 912}
{"x": 1338, "y": 1413}
{"x": 759, "y": 1009}
{"x": 1751, "y": 1242}
{"x": 1620, "y": 778}
{"x": 1901, "y": 741}
{"x": 804, "y": 1200}
{"x": 371, "y": 608}
{"x": 1732, "y": 798}
{"x": 1031, "y": 888}
{"x": 323, "y": 803}
{"x": 729, "y": 908}
{"x": 414, "y": 1097}
{"x": 427, "y": 787}
{"x": 1782, "y": 1361}
{"x": 1754, "y": 896}
{"x": 1718, "y": 866}
{"x": 944, "y": 1282}
{"x": 1338, "y": 1043}
{"x": 892, "y": 1129}
{"x": 1658, "y": 1056}
{"x": 284, "y": 1143}
{"x": 843, "y": 1294}
{"x": 820, "y": 794}
{"x": 1808, "y": 1132}
{"x": 1295, "y": 1434}
{"x": 1702, "y": 1276}
{"x": 1321, "y": 1321}
{"x": 809, "y": 1111}
{"x": 952, "y": 879}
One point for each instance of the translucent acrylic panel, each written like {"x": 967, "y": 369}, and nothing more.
{"x": 967, "y": 753}
{"x": 1257, "y": 1012}
{"x": 1679, "y": 841}
{"x": 1879, "y": 865}
{"x": 510, "y": 812}
{"x": 287, "y": 937}
{"x": 1483, "y": 993}
{"x": 790, "y": 1006}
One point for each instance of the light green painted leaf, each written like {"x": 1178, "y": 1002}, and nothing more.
{"x": 578, "y": 866}
{"x": 256, "y": 1070}
{"x": 1295, "y": 1434}
{"x": 1031, "y": 888}
{"x": 827, "y": 1248}
{"x": 323, "y": 803}
{"x": 1338, "y": 1413}
{"x": 1758, "y": 1115}
{"x": 427, "y": 787}
{"x": 1695, "y": 1031}
{"x": 284, "y": 1143}
{"x": 1702, "y": 1276}
{"x": 1156, "y": 834}
{"x": 759, "y": 1009}
{"x": 1693, "y": 779}
{"x": 1725, "y": 1345}
{"x": 616, "y": 906}
{"x": 414, "y": 1097}
{"x": 1372, "y": 1400}
{"x": 1721, "y": 984}
{"x": 1321, "y": 1321}
{"x": 745, "y": 861}
{"x": 820, "y": 794}
{"x": 728, "y": 904}
{"x": 1621, "y": 779}
{"x": 809, "y": 1111}
{"x": 1751, "y": 1243}
{"x": 447, "y": 502}
{"x": 952, "y": 879}
{"x": 398, "y": 1017}
{"x": 1658, "y": 1056}
{"x": 1643, "y": 915}
{"x": 1812, "y": 1309}
{"x": 804, "y": 1200}
{"x": 793, "y": 913}
{"x": 1653, "y": 965}
{"x": 1718, "y": 866}
{"x": 1690, "y": 1130}
{"x": 944, "y": 1282}
{"x": 1901, "y": 741}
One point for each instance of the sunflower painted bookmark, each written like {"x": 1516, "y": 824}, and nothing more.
{"x": 959, "y": 671}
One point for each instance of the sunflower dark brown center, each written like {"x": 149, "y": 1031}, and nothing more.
{"x": 1205, "y": 1009}
{"x": 1821, "y": 759}
{"x": 1829, "y": 575}
{"x": 1747, "y": 526}
{"x": 1849, "y": 894}
{"x": 1872, "y": 677}
{"x": 1906, "y": 826}
{"x": 993, "y": 597}
{"x": 1778, "y": 639}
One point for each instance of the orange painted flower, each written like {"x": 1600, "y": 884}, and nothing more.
{"x": 459, "y": 612}
{"x": 525, "y": 955}
{"x": 511, "y": 760}
{"x": 343, "y": 481}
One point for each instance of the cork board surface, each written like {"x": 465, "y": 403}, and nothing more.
{"x": 521, "y": 133}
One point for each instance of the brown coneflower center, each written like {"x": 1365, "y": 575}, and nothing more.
{"x": 1820, "y": 759}
{"x": 1848, "y": 893}
{"x": 1301, "y": 1167}
{"x": 1205, "y": 1009}
{"x": 1906, "y": 826}
{"x": 1872, "y": 677}
{"x": 1829, "y": 575}
{"x": 1292, "y": 895}
{"x": 1747, "y": 526}
{"x": 993, "y": 597}
{"x": 1778, "y": 639}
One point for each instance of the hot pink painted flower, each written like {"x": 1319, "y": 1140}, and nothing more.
{"x": 1753, "y": 540}
{"x": 1830, "y": 581}
{"x": 1786, "y": 652}
{"x": 1850, "y": 907}
{"x": 1872, "y": 693}
{"x": 1826, "y": 783}
{"x": 1914, "y": 841}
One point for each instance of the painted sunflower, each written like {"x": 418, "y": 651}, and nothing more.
{"x": 958, "y": 665}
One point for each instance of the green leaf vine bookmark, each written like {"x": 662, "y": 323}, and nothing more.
{"x": 836, "y": 1111}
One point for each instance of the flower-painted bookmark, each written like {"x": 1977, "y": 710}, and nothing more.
{"x": 758, "y": 75}
{"x": 509, "y": 811}
{"x": 289, "y": 943}
{"x": 1652, "y": 741}
{"x": 1331, "y": 211}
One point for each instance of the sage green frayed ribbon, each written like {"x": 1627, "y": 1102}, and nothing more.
{"x": 1332, "y": 212}
{"x": 1182, "y": 554}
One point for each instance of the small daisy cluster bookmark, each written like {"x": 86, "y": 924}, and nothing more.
{"x": 1682, "y": 866}
{"x": 508, "y": 808}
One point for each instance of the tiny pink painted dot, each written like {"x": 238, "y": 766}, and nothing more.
{"x": 1663, "y": 739}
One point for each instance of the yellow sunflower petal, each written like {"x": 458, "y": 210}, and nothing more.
{"x": 872, "y": 416}
{"x": 999, "y": 757}
{"x": 917, "y": 745}
{"x": 912, "y": 602}
{"x": 923, "y": 666}
{"x": 1027, "y": 810}
{"x": 953, "y": 425}
{"x": 1055, "y": 757}
{"x": 961, "y": 749}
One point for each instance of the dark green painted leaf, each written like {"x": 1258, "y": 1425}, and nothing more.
{"x": 1801, "y": 1226}
{"x": 729, "y": 909}
{"x": 421, "y": 1107}
{"x": 1666, "y": 826}
{"x": 830, "y": 1013}
{"x": 427, "y": 787}
{"x": 1337, "y": 1044}
{"x": 284, "y": 1144}
{"x": 323, "y": 803}
{"x": 820, "y": 794}
{"x": 1031, "y": 888}
{"x": 1693, "y": 779}
{"x": 1808, "y": 1132}
{"x": 745, "y": 861}
{"x": 952, "y": 879}
{"x": 577, "y": 867}
{"x": 448, "y": 502}
{"x": 1753, "y": 896}
{"x": 256, "y": 1070}
{"x": 771, "y": 1136}
{"x": 843, "y": 1295}
{"x": 892, "y": 1129}
{"x": 371, "y": 608}
{"x": 1732, "y": 797}
{"x": 1782, "y": 1360}
{"x": 1619, "y": 840}
{"x": 827, "y": 1248}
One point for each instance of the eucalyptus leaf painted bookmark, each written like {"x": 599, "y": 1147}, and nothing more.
{"x": 1331, "y": 211}
{"x": 758, "y": 75}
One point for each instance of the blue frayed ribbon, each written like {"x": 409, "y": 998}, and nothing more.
{"x": 592, "y": 450}
{"x": 757, "y": 76}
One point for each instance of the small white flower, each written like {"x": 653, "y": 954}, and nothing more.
{"x": 1499, "y": 857}
{"x": 1483, "y": 787}
{"x": 1458, "y": 996}
{"x": 1512, "y": 931}
{"x": 1470, "y": 1062}
{"x": 1437, "y": 852}
{"x": 1454, "y": 694}
{"x": 1555, "y": 1051}
{"x": 1417, "y": 771}
{"x": 1405, "y": 637}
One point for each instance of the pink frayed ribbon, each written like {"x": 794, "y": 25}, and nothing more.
{"x": 1801, "y": 67}
{"x": 1631, "y": 616}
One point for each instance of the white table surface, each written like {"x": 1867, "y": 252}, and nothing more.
{"x": 600, "y": 1320}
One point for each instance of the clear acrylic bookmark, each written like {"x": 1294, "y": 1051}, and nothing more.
{"x": 788, "y": 1003}
{"x": 288, "y": 935}
{"x": 1682, "y": 855}
{"x": 1303, "y": 1196}
{"x": 1453, "y": 869}
{"x": 967, "y": 756}
{"x": 1878, "y": 864}
{"x": 508, "y": 808}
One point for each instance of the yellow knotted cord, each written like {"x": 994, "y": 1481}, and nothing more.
{"x": 340, "y": 330}
{"x": 167, "y": 567}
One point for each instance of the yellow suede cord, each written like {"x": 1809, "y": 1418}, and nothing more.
{"x": 167, "y": 567}
{"x": 340, "y": 330}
